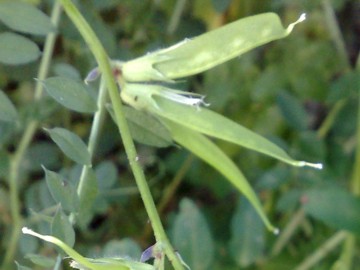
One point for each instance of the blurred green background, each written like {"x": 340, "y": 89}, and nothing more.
{"x": 301, "y": 92}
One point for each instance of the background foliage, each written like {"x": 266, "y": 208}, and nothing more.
{"x": 302, "y": 92}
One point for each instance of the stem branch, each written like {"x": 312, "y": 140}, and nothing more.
{"x": 105, "y": 68}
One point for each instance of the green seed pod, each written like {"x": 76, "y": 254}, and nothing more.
{"x": 201, "y": 53}
{"x": 139, "y": 96}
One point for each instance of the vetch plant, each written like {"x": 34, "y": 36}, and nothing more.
{"x": 147, "y": 85}
{"x": 143, "y": 85}
{"x": 82, "y": 263}
{"x": 79, "y": 262}
{"x": 64, "y": 172}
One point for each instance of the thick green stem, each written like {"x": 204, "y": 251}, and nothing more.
{"x": 24, "y": 144}
{"x": 105, "y": 68}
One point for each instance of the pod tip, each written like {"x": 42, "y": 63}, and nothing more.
{"x": 302, "y": 17}
{"x": 318, "y": 166}
{"x": 276, "y": 231}
{"x": 26, "y": 230}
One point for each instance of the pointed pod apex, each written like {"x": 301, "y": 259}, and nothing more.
{"x": 292, "y": 25}
{"x": 26, "y": 230}
{"x": 302, "y": 17}
{"x": 318, "y": 166}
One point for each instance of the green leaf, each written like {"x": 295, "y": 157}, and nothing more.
{"x": 310, "y": 146}
{"x": 38, "y": 197}
{"x": 62, "y": 228}
{"x": 268, "y": 84}
{"x": 192, "y": 237}
{"x": 28, "y": 244}
{"x": 218, "y": 126}
{"x": 38, "y": 110}
{"x": 71, "y": 145}
{"x": 146, "y": 129}
{"x": 17, "y": 50}
{"x": 7, "y": 131}
{"x": 70, "y": 93}
{"x": 41, "y": 260}
{"x": 66, "y": 70}
{"x": 293, "y": 111}
{"x": 201, "y": 53}
{"x": 106, "y": 174}
{"x": 334, "y": 206}
{"x": 7, "y": 109}
{"x": 247, "y": 235}
{"x": 41, "y": 153}
{"x": 289, "y": 201}
{"x": 214, "y": 156}
{"x": 62, "y": 191}
{"x": 23, "y": 17}
{"x": 273, "y": 178}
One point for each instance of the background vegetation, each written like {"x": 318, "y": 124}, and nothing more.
{"x": 301, "y": 92}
